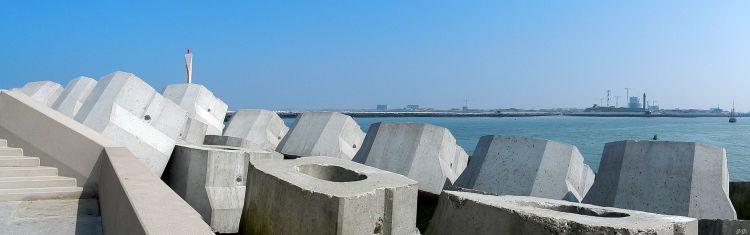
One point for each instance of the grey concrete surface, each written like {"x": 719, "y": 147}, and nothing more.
{"x": 512, "y": 165}
{"x": 666, "y": 177}
{"x": 45, "y": 92}
{"x": 723, "y": 227}
{"x": 259, "y": 127}
{"x": 193, "y": 132}
{"x": 129, "y": 111}
{"x": 71, "y": 99}
{"x": 323, "y": 195}
{"x": 472, "y": 213}
{"x": 46, "y": 217}
{"x": 200, "y": 103}
{"x": 134, "y": 201}
{"x": 423, "y": 152}
{"x": 212, "y": 180}
{"x": 322, "y": 134}
{"x": 230, "y": 141}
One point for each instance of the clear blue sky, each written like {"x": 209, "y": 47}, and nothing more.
{"x": 356, "y": 54}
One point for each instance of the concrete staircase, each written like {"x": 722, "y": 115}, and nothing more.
{"x": 35, "y": 200}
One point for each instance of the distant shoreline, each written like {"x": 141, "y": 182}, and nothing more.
{"x": 515, "y": 114}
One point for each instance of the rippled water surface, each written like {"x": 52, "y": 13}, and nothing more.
{"x": 590, "y": 134}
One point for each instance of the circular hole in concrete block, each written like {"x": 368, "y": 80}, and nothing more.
{"x": 331, "y": 173}
{"x": 354, "y": 146}
{"x": 147, "y": 117}
{"x": 239, "y": 179}
{"x": 588, "y": 211}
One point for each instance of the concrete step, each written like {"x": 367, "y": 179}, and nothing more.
{"x": 3, "y": 143}
{"x": 11, "y": 152}
{"x": 36, "y": 182}
{"x": 33, "y": 194}
{"x": 27, "y": 171}
{"x": 19, "y": 161}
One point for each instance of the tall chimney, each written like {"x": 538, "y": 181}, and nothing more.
{"x": 644, "y": 100}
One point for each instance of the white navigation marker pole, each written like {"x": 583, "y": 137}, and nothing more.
{"x": 189, "y": 66}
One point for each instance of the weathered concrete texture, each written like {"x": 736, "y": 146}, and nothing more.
{"x": 472, "y": 213}
{"x": 72, "y": 98}
{"x": 723, "y": 227}
{"x": 666, "y": 177}
{"x": 739, "y": 193}
{"x": 194, "y": 132}
{"x": 423, "y": 152}
{"x": 45, "y": 217}
{"x": 45, "y": 92}
{"x": 212, "y": 180}
{"x": 229, "y": 141}
{"x": 259, "y": 127}
{"x": 200, "y": 103}
{"x": 511, "y": 165}
{"x": 323, "y": 195}
{"x": 129, "y": 111}
{"x": 322, "y": 134}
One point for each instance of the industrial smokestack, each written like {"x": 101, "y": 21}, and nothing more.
{"x": 644, "y": 100}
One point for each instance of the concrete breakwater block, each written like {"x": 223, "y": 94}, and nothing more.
{"x": 423, "y": 152}
{"x": 212, "y": 180}
{"x": 511, "y": 165}
{"x": 126, "y": 109}
{"x": 324, "y": 195}
{"x": 666, "y": 177}
{"x": 200, "y": 103}
{"x": 472, "y": 213}
{"x": 322, "y": 134}
{"x": 71, "y": 99}
{"x": 259, "y": 127}
{"x": 46, "y": 92}
{"x": 194, "y": 132}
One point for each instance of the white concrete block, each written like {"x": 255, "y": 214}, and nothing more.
{"x": 471, "y": 213}
{"x": 322, "y": 134}
{"x": 72, "y": 98}
{"x": 46, "y": 92}
{"x": 666, "y": 177}
{"x": 212, "y": 180}
{"x": 259, "y": 127}
{"x": 423, "y": 152}
{"x": 126, "y": 109}
{"x": 323, "y": 195}
{"x": 511, "y": 165}
{"x": 200, "y": 103}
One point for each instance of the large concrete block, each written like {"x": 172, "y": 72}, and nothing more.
{"x": 259, "y": 127}
{"x": 323, "y": 195}
{"x": 212, "y": 180}
{"x": 322, "y": 134}
{"x": 200, "y": 103}
{"x": 194, "y": 132}
{"x": 72, "y": 98}
{"x": 423, "y": 152}
{"x": 723, "y": 227}
{"x": 472, "y": 213}
{"x": 511, "y": 165}
{"x": 126, "y": 109}
{"x": 666, "y": 177}
{"x": 46, "y": 92}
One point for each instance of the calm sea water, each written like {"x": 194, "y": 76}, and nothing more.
{"x": 590, "y": 134}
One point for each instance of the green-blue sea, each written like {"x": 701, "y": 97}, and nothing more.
{"x": 590, "y": 134}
